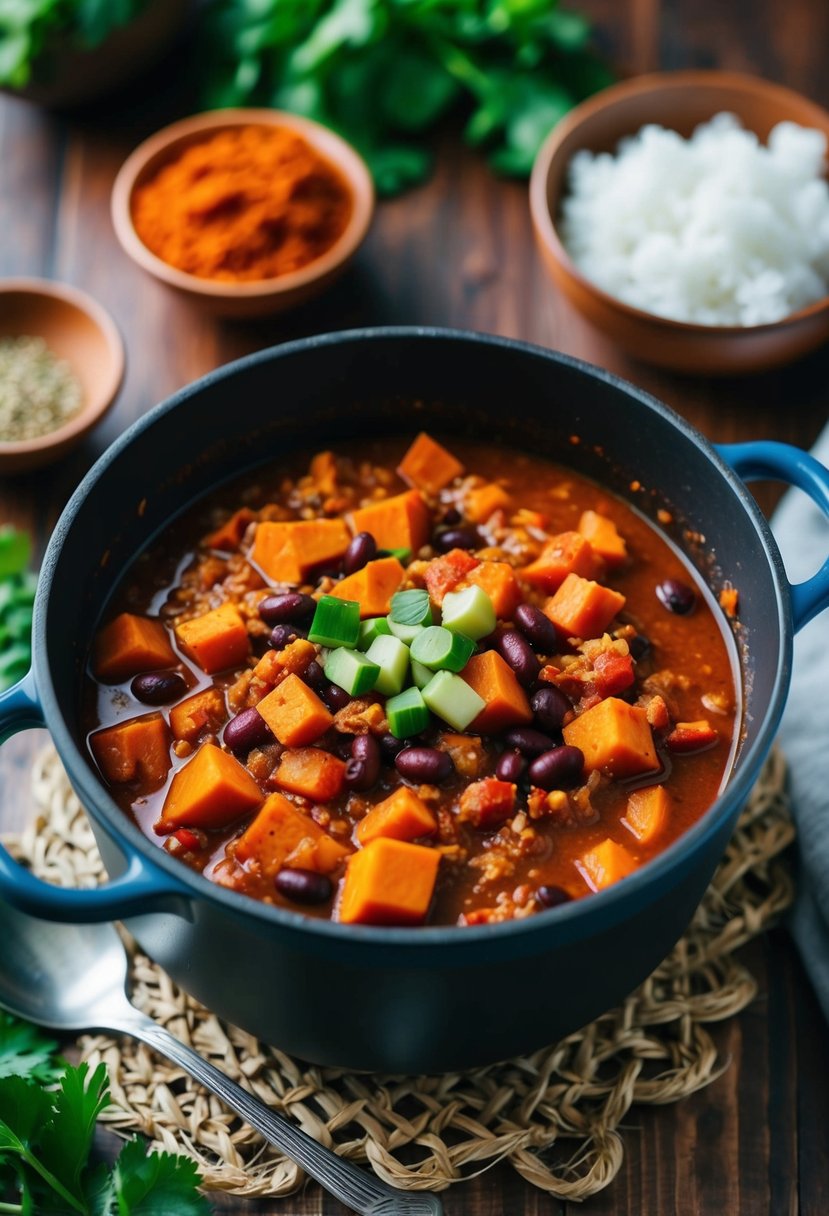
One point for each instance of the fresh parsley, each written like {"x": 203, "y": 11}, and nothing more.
{"x": 27, "y": 26}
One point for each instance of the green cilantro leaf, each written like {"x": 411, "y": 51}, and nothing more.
{"x": 154, "y": 1185}
{"x": 24, "y": 1052}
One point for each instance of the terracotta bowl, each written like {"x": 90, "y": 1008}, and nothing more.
{"x": 681, "y": 101}
{"x": 265, "y": 296}
{"x": 77, "y": 329}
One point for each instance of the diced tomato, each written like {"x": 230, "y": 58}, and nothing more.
{"x": 487, "y": 803}
{"x": 691, "y": 736}
{"x": 187, "y": 839}
{"x": 612, "y": 673}
{"x": 444, "y": 573}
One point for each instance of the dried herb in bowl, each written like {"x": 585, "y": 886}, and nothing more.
{"x": 38, "y": 391}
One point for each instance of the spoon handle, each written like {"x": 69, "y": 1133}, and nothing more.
{"x": 353, "y": 1186}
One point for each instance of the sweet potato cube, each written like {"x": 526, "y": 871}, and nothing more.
{"x": 506, "y": 702}
{"x": 389, "y": 882}
{"x": 615, "y": 738}
{"x": 286, "y": 552}
{"x": 206, "y": 709}
{"x": 498, "y": 580}
{"x": 128, "y": 645}
{"x": 274, "y": 665}
{"x": 136, "y": 750}
{"x": 216, "y": 640}
{"x": 295, "y": 713}
{"x": 323, "y": 472}
{"x": 605, "y": 864}
{"x": 210, "y": 791}
{"x": 428, "y": 466}
{"x": 282, "y": 835}
{"x": 583, "y": 609}
{"x": 401, "y": 816}
{"x": 372, "y": 587}
{"x": 401, "y": 522}
{"x": 487, "y": 803}
{"x": 312, "y": 772}
{"x": 604, "y": 537}
{"x": 229, "y": 536}
{"x": 647, "y": 812}
{"x": 567, "y": 553}
{"x": 445, "y": 573}
{"x": 484, "y": 501}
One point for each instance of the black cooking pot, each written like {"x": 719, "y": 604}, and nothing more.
{"x": 406, "y": 999}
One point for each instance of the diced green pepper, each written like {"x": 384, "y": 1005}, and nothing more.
{"x": 371, "y": 629}
{"x": 407, "y": 713}
{"x": 392, "y": 659}
{"x": 469, "y": 612}
{"x": 411, "y": 608}
{"x": 351, "y": 670}
{"x": 452, "y": 699}
{"x": 336, "y": 622}
{"x": 441, "y": 650}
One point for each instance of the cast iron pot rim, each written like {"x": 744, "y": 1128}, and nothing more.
{"x": 129, "y": 837}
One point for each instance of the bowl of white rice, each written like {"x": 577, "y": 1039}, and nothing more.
{"x": 686, "y": 215}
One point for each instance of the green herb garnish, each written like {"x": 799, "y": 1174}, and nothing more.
{"x": 17, "y": 593}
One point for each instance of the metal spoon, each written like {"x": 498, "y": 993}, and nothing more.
{"x": 74, "y": 977}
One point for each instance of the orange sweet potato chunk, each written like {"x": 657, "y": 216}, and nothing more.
{"x": 401, "y": 816}
{"x": 401, "y": 522}
{"x": 428, "y": 466}
{"x": 282, "y": 835}
{"x": 604, "y": 537}
{"x": 615, "y": 738}
{"x": 605, "y": 864}
{"x": 389, "y": 882}
{"x": 647, "y": 812}
{"x": 583, "y": 609}
{"x": 286, "y": 552}
{"x": 484, "y": 501}
{"x": 294, "y": 713}
{"x": 567, "y": 553}
{"x": 229, "y": 536}
{"x": 128, "y": 645}
{"x": 210, "y": 791}
{"x": 216, "y": 640}
{"x": 498, "y": 580}
{"x": 136, "y": 750}
{"x": 311, "y": 772}
{"x": 372, "y": 587}
{"x": 205, "y": 709}
{"x": 446, "y": 573}
{"x": 506, "y": 702}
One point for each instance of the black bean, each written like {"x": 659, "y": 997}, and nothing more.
{"x": 313, "y": 675}
{"x": 283, "y": 635}
{"x": 537, "y": 627}
{"x": 515, "y": 649}
{"x": 158, "y": 687}
{"x": 457, "y": 538}
{"x": 363, "y": 549}
{"x": 549, "y": 706}
{"x": 676, "y": 596}
{"x": 639, "y": 646}
{"x": 391, "y": 745}
{"x": 247, "y": 730}
{"x": 558, "y": 769}
{"x": 424, "y": 764}
{"x": 289, "y": 607}
{"x": 551, "y": 897}
{"x": 304, "y": 886}
{"x": 528, "y": 741}
{"x": 334, "y": 697}
{"x": 451, "y": 517}
{"x": 510, "y": 766}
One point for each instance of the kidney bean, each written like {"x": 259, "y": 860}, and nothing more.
{"x": 528, "y": 741}
{"x": 391, "y": 745}
{"x": 313, "y": 675}
{"x": 363, "y": 549}
{"x": 558, "y": 769}
{"x": 457, "y": 538}
{"x": 342, "y": 745}
{"x": 283, "y": 635}
{"x": 510, "y": 766}
{"x": 551, "y": 897}
{"x": 246, "y": 730}
{"x": 424, "y": 764}
{"x": 451, "y": 517}
{"x": 549, "y": 705}
{"x": 334, "y": 697}
{"x": 515, "y": 649}
{"x": 304, "y": 886}
{"x": 639, "y": 646}
{"x": 289, "y": 607}
{"x": 364, "y": 767}
{"x": 536, "y": 627}
{"x": 158, "y": 687}
{"x": 676, "y": 596}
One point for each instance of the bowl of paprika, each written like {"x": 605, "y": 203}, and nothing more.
{"x": 246, "y": 212}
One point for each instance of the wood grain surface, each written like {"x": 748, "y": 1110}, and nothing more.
{"x": 459, "y": 252}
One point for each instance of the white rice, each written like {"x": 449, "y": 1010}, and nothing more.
{"x": 717, "y": 229}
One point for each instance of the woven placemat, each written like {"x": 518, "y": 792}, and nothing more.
{"x": 554, "y": 1115}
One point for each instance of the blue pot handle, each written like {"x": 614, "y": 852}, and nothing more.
{"x": 140, "y": 888}
{"x": 782, "y": 462}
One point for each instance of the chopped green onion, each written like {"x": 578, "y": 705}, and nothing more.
{"x": 440, "y": 649}
{"x": 407, "y": 714}
{"x": 336, "y": 622}
{"x": 351, "y": 670}
{"x": 406, "y": 633}
{"x": 469, "y": 612}
{"x": 420, "y": 675}
{"x": 411, "y": 608}
{"x": 392, "y": 659}
{"x": 371, "y": 629}
{"x": 452, "y": 699}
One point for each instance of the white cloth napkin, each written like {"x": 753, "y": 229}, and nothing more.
{"x": 802, "y": 533}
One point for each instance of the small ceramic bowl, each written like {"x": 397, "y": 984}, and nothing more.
{"x": 75, "y": 328}
{"x": 254, "y": 298}
{"x": 681, "y": 101}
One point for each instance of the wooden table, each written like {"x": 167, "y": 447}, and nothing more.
{"x": 459, "y": 252}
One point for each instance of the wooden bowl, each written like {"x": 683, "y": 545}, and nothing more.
{"x": 251, "y": 298}
{"x": 76, "y": 329}
{"x": 681, "y": 101}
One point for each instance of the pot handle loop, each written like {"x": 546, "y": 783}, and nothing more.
{"x": 138, "y": 889}
{"x": 782, "y": 462}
